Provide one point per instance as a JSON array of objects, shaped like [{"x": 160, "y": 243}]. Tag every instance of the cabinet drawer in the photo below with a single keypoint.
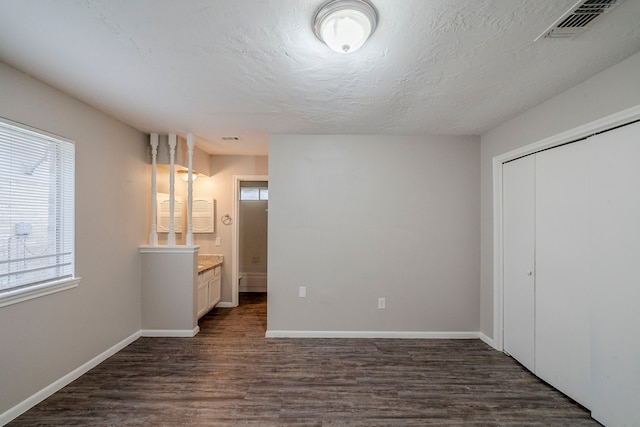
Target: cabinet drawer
[{"x": 208, "y": 275}]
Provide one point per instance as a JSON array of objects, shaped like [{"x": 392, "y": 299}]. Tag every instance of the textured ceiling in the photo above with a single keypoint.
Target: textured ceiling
[{"x": 251, "y": 68}]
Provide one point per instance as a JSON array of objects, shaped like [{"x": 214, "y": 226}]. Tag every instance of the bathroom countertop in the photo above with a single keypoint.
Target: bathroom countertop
[{"x": 207, "y": 262}]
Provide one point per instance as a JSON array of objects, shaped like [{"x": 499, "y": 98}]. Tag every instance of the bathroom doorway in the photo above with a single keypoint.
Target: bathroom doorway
[{"x": 249, "y": 253}]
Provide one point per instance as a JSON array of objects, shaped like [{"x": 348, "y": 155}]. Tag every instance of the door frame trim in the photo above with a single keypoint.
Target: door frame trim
[
  {"x": 235, "y": 233},
  {"x": 580, "y": 132}
]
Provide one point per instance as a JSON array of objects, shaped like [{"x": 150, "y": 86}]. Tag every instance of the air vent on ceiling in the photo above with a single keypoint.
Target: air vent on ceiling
[
  {"x": 578, "y": 18},
  {"x": 230, "y": 138}
]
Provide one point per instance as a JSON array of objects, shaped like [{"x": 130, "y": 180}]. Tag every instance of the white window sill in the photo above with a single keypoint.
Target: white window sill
[{"x": 36, "y": 291}]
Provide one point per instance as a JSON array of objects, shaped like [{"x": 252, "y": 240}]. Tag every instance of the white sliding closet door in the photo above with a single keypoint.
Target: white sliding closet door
[
  {"x": 573, "y": 212},
  {"x": 519, "y": 291},
  {"x": 615, "y": 266},
  {"x": 562, "y": 318}
]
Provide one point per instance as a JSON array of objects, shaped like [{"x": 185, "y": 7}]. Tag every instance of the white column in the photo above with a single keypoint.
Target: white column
[
  {"x": 153, "y": 235},
  {"x": 190, "y": 144},
  {"x": 171, "y": 240}
]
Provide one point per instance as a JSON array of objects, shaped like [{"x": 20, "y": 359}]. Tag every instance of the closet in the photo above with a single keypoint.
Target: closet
[{"x": 571, "y": 240}]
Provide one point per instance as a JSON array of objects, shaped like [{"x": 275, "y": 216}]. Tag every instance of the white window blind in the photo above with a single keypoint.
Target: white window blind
[{"x": 36, "y": 208}]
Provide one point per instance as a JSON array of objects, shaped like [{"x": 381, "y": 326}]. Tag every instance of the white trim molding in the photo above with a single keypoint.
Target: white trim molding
[
  {"x": 235, "y": 234},
  {"x": 168, "y": 249},
  {"x": 57, "y": 385},
  {"x": 24, "y": 294},
  {"x": 609, "y": 122},
  {"x": 225, "y": 304},
  {"x": 174, "y": 333},
  {"x": 371, "y": 334},
  {"x": 486, "y": 339}
]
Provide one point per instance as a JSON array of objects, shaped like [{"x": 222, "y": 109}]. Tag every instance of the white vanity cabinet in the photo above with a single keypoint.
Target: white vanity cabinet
[{"x": 208, "y": 289}]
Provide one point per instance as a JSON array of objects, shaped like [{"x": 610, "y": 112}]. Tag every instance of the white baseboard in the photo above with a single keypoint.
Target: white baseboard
[
  {"x": 38, "y": 397},
  {"x": 225, "y": 304},
  {"x": 371, "y": 334},
  {"x": 487, "y": 340},
  {"x": 253, "y": 288},
  {"x": 176, "y": 333}
]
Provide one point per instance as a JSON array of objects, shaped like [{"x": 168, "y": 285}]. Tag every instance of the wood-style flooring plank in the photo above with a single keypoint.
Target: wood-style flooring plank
[{"x": 231, "y": 375}]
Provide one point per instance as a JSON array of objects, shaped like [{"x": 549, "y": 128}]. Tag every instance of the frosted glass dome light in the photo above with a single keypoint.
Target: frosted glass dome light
[
  {"x": 345, "y": 25},
  {"x": 184, "y": 174}
]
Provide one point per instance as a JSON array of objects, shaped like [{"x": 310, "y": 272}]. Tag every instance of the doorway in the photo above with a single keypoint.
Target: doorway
[{"x": 249, "y": 240}]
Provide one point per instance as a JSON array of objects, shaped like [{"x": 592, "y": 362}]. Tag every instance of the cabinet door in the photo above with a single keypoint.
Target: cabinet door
[
  {"x": 518, "y": 260},
  {"x": 615, "y": 256},
  {"x": 214, "y": 288},
  {"x": 203, "y": 295},
  {"x": 562, "y": 325}
]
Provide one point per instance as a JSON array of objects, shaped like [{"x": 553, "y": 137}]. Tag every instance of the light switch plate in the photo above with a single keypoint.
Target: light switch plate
[{"x": 302, "y": 292}]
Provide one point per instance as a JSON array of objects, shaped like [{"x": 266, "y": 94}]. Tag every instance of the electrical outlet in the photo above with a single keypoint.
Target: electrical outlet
[
  {"x": 382, "y": 303},
  {"x": 302, "y": 292},
  {"x": 217, "y": 241}
]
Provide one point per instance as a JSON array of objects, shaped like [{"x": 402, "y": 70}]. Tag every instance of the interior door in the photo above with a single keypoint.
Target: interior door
[
  {"x": 518, "y": 211},
  {"x": 614, "y": 260},
  {"x": 562, "y": 337}
]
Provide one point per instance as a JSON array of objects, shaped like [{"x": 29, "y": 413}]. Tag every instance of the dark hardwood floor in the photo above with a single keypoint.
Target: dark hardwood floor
[{"x": 230, "y": 375}]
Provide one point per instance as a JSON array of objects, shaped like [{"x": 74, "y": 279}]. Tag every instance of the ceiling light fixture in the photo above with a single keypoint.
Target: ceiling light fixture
[
  {"x": 345, "y": 25},
  {"x": 184, "y": 174}
]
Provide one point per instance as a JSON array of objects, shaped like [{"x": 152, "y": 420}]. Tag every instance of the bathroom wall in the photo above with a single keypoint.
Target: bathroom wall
[
  {"x": 220, "y": 185},
  {"x": 253, "y": 232},
  {"x": 44, "y": 339}
]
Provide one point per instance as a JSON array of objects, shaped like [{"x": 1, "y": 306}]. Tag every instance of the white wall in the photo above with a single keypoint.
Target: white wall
[
  {"x": 608, "y": 92},
  {"x": 355, "y": 218},
  {"x": 43, "y": 339}
]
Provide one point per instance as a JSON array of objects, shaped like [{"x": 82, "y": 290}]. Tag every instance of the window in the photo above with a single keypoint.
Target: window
[
  {"x": 251, "y": 193},
  {"x": 36, "y": 213}
]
